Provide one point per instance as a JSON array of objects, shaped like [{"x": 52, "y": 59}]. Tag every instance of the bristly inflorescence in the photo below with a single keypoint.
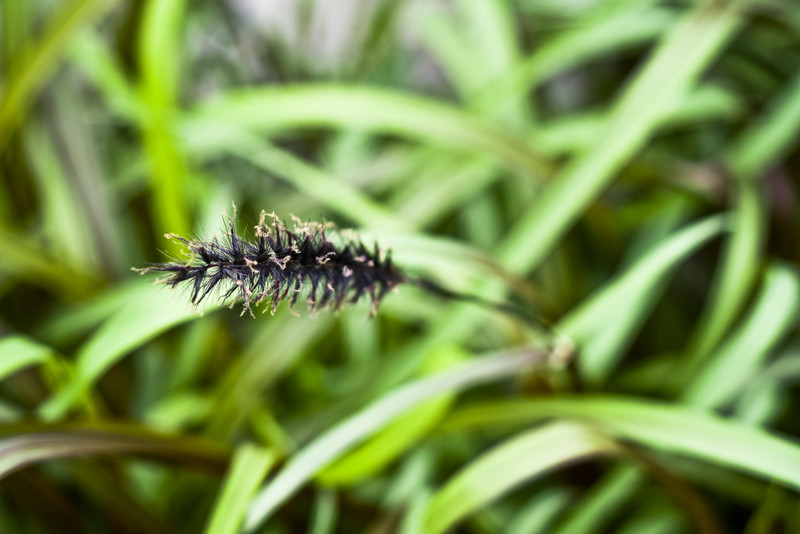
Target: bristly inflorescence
[{"x": 279, "y": 264}]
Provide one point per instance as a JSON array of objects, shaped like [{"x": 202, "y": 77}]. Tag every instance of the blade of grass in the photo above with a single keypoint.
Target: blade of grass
[
  {"x": 74, "y": 321},
  {"x": 671, "y": 428},
  {"x": 443, "y": 186},
  {"x": 421, "y": 253},
  {"x": 770, "y": 139},
  {"x": 275, "y": 348},
  {"x": 144, "y": 316},
  {"x": 628, "y": 299},
  {"x": 274, "y": 109},
  {"x": 250, "y": 466},
  {"x": 749, "y": 158},
  {"x": 345, "y": 435},
  {"x": 36, "y": 69},
  {"x": 609, "y": 494},
  {"x": 401, "y": 435},
  {"x": 64, "y": 223},
  {"x": 508, "y": 465},
  {"x": 539, "y": 513},
  {"x": 578, "y": 132},
  {"x": 25, "y": 447},
  {"x": 664, "y": 80},
  {"x": 25, "y": 259},
  {"x": 474, "y": 45},
  {"x": 159, "y": 56},
  {"x": 18, "y": 352},
  {"x": 94, "y": 59},
  {"x": 16, "y": 35},
  {"x": 735, "y": 274},
  {"x": 313, "y": 182},
  {"x": 85, "y": 172},
  {"x": 200, "y": 139},
  {"x": 763, "y": 399},
  {"x": 738, "y": 360},
  {"x": 654, "y": 519},
  {"x": 413, "y": 521},
  {"x": 323, "y": 518},
  {"x": 609, "y": 32}
]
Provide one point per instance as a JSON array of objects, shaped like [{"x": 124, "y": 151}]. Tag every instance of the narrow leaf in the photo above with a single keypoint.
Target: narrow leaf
[
  {"x": 664, "y": 81},
  {"x": 277, "y": 109},
  {"x": 505, "y": 467},
  {"x": 739, "y": 359},
  {"x": 146, "y": 315},
  {"x": 675, "y": 429},
  {"x": 344, "y": 436},
  {"x": 23, "y": 448},
  {"x": 250, "y": 466},
  {"x": 603, "y": 323},
  {"x": 18, "y": 352}
]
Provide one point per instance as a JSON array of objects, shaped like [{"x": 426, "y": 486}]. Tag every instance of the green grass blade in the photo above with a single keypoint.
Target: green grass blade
[
  {"x": 414, "y": 519},
  {"x": 22, "y": 448},
  {"x": 39, "y": 65},
  {"x": 541, "y": 511},
  {"x": 401, "y": 435},
  {"x": 73, "y": 321},
  {"x": 18, "y": 352},
  {"x": 763, "y": 143},
  {"x": 770, "y": 139},
  {"x": 675, "y": 429},
  {"x": 628, "y": 299},
  {"x": 347, "y": 434},
  {"x": 159, "y": 49},
  {"x": 738, "y": 360},
  {"x": 334, "y": 194},
  {"x": 665, "y": 80},
  {"x": 764, "y": 399},
  {"x": 159, "y": 60},
  {"x": 607, "y": 496},
  {"x": 511, "y": 463},
  {"x": 91, "y": 56},
  {"x": 244, "y": 383},
  {"x": 610, "y": 32},
  {"x": 144, "y": 316},
  {"x": 736, "y": 273},
  {"x": 474, "y": 47},
  {"x": 277, "y": 109},
  {"x": 64, "y": 221},
  {"x": 323, "y": 518},
  {"x": 250, "y": 466},
  {"x": 578, "y": 132},
  {"x": 24, "y": 258}
]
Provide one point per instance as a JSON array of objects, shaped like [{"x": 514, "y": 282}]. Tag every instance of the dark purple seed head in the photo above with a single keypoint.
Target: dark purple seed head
[{"x": 279, "y": 264}]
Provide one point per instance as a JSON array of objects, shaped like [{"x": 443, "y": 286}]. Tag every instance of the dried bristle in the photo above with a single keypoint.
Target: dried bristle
[{"x": 279, "y": 264}]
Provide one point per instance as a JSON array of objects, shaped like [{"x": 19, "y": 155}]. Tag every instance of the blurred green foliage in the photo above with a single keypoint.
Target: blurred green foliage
[{"x": 627, "y": 170}]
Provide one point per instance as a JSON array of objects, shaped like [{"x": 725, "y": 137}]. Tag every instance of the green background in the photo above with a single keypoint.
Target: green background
[{"x": 624, "y": 170}]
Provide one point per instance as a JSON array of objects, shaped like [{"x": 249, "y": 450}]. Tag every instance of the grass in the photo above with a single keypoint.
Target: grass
[{"x": 624, "y": 172}]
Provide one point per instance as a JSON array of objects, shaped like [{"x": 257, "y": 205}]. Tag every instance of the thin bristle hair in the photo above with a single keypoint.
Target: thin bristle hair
[{"x": 279, "y": 264}]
